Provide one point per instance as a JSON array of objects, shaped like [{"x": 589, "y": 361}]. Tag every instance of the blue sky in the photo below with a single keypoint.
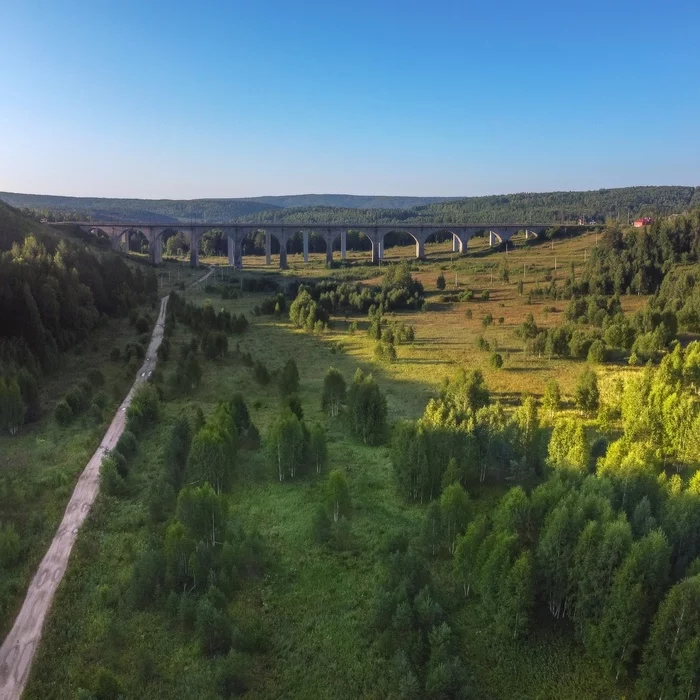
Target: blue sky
[{"x": 228, "y": 99}]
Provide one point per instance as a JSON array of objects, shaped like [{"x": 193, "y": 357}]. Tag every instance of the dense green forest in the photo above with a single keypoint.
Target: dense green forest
[
  {"x": 53, "y": 293},
  {"x": 546, "y": 207},
  {"x": 150, "y": 210}
]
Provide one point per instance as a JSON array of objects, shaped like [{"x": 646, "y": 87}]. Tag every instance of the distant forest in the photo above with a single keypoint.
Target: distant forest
[{"x": 623, "y": 204}]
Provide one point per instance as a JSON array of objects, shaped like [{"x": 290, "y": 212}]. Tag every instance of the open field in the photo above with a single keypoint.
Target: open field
[
  {"x": 445, "y": 337},
  {"x": 314, "y": 604}
]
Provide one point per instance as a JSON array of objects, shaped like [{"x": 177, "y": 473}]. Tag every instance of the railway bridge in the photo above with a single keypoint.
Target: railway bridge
[{"x": 119, "y": 231}]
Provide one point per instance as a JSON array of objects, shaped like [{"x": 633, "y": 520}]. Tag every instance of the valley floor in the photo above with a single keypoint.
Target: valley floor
[{"x": 314, "y": 605}]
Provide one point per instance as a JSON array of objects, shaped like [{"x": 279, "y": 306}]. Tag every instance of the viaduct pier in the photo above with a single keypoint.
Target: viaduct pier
[{"x": 119, "y": 231}]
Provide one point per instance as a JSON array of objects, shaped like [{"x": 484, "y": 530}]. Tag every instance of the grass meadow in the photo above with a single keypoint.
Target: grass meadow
[{"x": 313, "y": 603}]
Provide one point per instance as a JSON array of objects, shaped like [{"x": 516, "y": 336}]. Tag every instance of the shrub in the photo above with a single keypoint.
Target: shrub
[
  {"x": 213, "y": 628},
  {"x": 496, "y": 361},
  {"x": 96, "y": 413},
  {"x": 468, "y": 313},
  {"x": 482, "y": 344},
  {"x": 127, "y": 444},
  {"x": 101, "y": 399},
  {"x": 289, "y": 378},
  {"x": 76, "y": 399},
  {"x": 143, "y": 408},
  {"x": 596, "y": 353},
  {"x": 232, "y": 679},
  {"x": 586, "y": 395},
  {"x": 440, "y": 281},
  {"x": 163, "y": 351},
  {"x": 262, "y": 376},
  {"x": 293, "y": 403},
  {"x": 485, "y": 295},
  {"x": 142, "y": 325},
  {"x": 112, "y": 482},
  {"x": 63, "y": 412}
]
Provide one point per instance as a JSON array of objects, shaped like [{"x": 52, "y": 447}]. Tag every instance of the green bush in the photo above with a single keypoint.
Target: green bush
[
  {"x": 127, "y": 444},
  {"x": 96, "y": 378},
  {"x": 214, "y": 630},
  {"x": 142, "y": 325},
  {"x": 101, "y": 399},
  {"x": 63, "y": 412},
  {"x": 110, "y": 479},
  {"x": 596, "y": 353},
  {"x": 76, "y": 399},
  {"x": 496, "y": 361},
  {"x": 262, "y": 376},
  {"x": 96, "y": 414}
]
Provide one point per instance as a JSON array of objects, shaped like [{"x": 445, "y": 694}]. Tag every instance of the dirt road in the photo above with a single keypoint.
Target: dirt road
[{"x": 17, "y": 651}]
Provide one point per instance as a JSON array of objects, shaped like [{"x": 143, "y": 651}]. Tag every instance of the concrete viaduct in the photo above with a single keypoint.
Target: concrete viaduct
[{"x": 117, "y": 231}]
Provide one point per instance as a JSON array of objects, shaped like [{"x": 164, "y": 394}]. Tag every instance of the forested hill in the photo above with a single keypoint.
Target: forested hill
[
  {"x": 151, "y": 210},
  {"x": 349, "y": 201},
  {"x": 545, "y": 207},
  {"x": 16, "y": 225},
  {"x": 527, "y": 208}
]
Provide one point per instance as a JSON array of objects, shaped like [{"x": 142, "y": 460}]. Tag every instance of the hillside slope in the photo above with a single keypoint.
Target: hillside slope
[
  {"x": 151, "y": 210},
  {"x": 15, "y": 225},
  {"x": 348, "y": 201},
  {"x": 527, "y": 207}
]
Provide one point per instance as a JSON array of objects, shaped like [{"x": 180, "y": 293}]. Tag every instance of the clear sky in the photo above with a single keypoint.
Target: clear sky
[{"x": 184, "y": 99}]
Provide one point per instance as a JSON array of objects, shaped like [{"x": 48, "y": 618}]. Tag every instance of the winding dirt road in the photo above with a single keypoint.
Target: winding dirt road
[{"x": 17, "y": 651}]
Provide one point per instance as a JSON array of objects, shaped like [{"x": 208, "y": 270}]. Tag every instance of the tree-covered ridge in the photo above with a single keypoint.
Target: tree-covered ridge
[
  {"x": 526, "y": 207},
  {"x": 548, "y": 207},
  {"x": 142, "y": 210},
  {"x": 636, "y": 261},
  {"x": 348, "y": 201},
  {"x": 50, "y": 300}
]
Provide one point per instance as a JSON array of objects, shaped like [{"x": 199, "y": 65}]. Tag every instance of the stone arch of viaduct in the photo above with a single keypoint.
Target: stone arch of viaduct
[{"x": 235, "y": 233}]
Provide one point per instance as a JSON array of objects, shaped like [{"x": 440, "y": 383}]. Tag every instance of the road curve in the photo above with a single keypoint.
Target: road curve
[{"x": 17, "y": 651}]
